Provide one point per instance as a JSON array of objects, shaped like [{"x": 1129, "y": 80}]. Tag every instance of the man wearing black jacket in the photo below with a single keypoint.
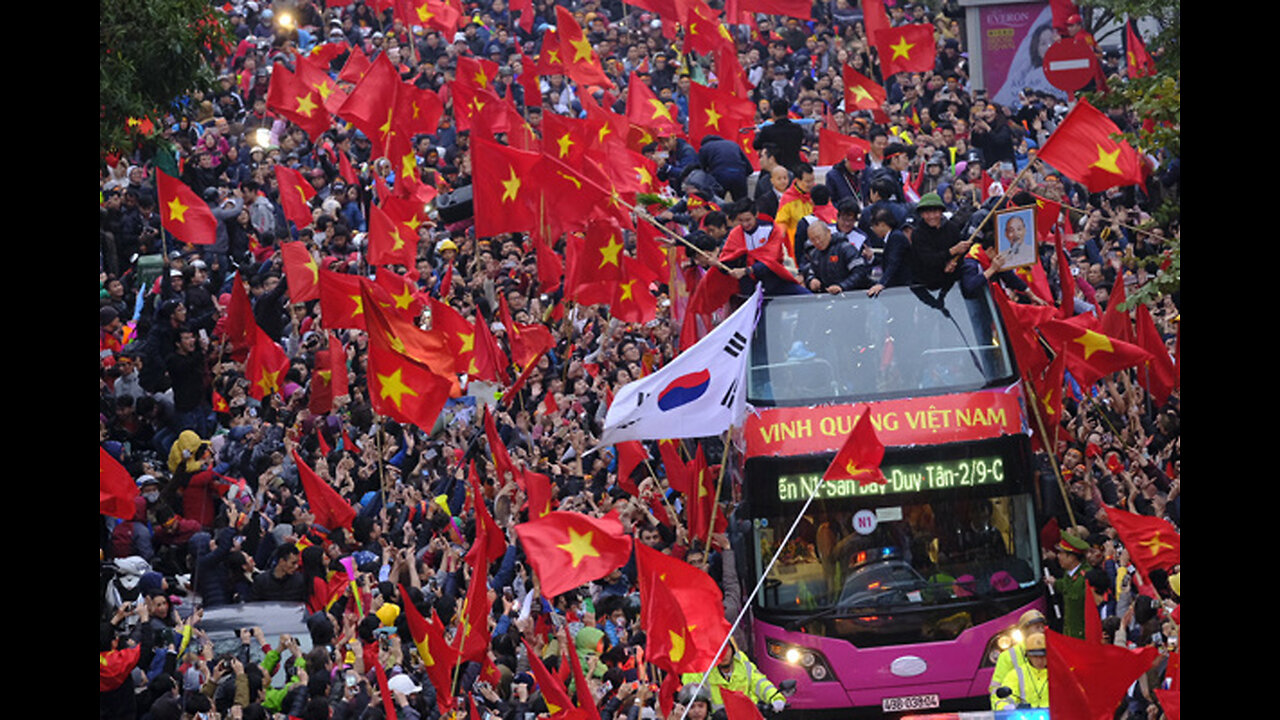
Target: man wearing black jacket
[
  {"x": 785, "y": 135},
  {"x": 937, "y": 245}
]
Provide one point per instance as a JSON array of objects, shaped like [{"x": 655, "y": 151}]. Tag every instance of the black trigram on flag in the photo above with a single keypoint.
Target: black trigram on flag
[
  {"x": 729, "y": 395},
  {"x": 736, "y": 344}
]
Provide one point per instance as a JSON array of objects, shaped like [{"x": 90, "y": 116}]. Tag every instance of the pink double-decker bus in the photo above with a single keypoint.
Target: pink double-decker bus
[{"x": 890, "y": 598}]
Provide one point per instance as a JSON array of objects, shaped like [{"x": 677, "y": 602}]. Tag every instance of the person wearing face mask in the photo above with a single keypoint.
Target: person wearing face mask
[{"x": 135, "y": 536}]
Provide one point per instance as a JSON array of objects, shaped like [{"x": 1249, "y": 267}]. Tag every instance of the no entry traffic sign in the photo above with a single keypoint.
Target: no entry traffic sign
[{"x": 1069, "y": 65}]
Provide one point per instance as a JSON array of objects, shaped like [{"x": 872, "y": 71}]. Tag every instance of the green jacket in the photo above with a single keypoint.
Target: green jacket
[
  {"x": 1030, "y": 684},
  {"x": 1074, "y": 589},
  {"x": 744, "y": 677},
  {"x": 273, "y": 698},
  {"x": 1015, "y": 656}
]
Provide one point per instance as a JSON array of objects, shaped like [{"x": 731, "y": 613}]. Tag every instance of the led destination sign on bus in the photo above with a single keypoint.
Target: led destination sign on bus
[{"x": 944, "y": 475}]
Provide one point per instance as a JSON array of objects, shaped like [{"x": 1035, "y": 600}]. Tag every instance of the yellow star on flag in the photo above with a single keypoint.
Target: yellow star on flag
[
  {"x": 693, "y": 28},
  {"x": 860, "y": 93},
  {"x": 852, "y": 468},
  {"x": 902, "y": 49},
  {"x": 579, "y": 546},
  {"x": 391, "y": 386},
  {"x": 510, "y": 187},
  {"x": 310, "y": 264},
  {"x": 424, "y": 12},
  {"x": 1093, "y": 342},
  {"x": 386, "y": 126},
  {"x": 359, "y": 304},
  {"x": 305, "y": 105},
  {"x": 554, "y": 56},
  {"x": 177, "y": 210},
  {"x": 1155, "y": 544},
  {"x": 713, "y": 117},
  {"x": 468, "y": 342},
  {"x": 325, "y": 375},
  {"x": 480, "y": 78},
  {"x": 403, "y": 301},
  {"x": 1107, "y": 161},
  {"x": 627, "y": 288},
  {"x": 642, "y": 172},
  {"x": 399, "y": 241},
  {"x": 604, "y": 130},
  {"x": 1047, "y": 401},
  {"x": 269, "y": 381},
  {"x": 581, "y": 48},
  {"x": 677, "y": 646},
  {"x": 396, "y": 343},
  {"x": 565, "y": 142},
  {"x": 324, "y": 90},
  {"x": 609, "y": 253},
  {"x": 659, "y": 109},
  {"x": 408, "y": 165},
  {"x": 424, "y": 652}
]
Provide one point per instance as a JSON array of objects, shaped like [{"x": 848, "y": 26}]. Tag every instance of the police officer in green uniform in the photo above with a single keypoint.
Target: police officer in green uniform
[{"x": 1072, "y": 586}]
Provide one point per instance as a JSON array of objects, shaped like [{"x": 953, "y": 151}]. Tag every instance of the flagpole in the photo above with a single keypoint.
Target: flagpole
[
  {"x": 675, "y": 517},
  {"x": 382, "y": 475},
  {"x": 746, "y": 605},
  {"x": 1003, "y": 199},
  {"x": 1078, "y": 211},
  {"x": 1051, "y": 450},
  {"x": 715, "y": 501}
]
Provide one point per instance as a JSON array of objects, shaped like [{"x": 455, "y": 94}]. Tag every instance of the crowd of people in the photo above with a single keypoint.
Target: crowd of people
[{"x": 221, "y": 517}]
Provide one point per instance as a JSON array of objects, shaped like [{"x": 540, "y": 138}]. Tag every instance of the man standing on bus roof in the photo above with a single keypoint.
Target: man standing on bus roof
[
  {"x": 736, "y": 672},
  {"x": 1072, "y": 587},
  {"x": 1031, "y": 622},
  {"x": 937, "y": 245}
]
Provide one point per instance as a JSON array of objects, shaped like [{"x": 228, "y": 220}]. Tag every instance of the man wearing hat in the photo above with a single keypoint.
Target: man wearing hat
[
  {"x": 1031, "y": 623},
  {"x": 1030, "y": 681},
  {"x": 402, "y": 687},
  {"x": 937, "y": 244},
  {"x": 1072, "y": 587}
]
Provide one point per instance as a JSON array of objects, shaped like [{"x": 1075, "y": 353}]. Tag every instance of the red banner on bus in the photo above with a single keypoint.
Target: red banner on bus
[{"x": 912, "y": 421}]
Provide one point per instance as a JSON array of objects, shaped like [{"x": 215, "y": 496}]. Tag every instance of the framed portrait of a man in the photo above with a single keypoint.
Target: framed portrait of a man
[{"x": 1016, "y": 236}]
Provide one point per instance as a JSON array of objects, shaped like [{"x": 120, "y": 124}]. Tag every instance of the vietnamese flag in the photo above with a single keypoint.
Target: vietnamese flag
[
  {"x": 289, "y": 96},
  {"x": 906, "y": 48},
  {"x": 874, "y": 17},
  {"x": 1153, "y": 543},
  {"x": 239, "y": 316},
  {"x": 632, "y": 301},
  {"x": 489, "y": 545},
  {"x": 114, "y": 666},
  {"x": 1047, "y": 214},
  {"x": 1159, "y": 377},
  {"x": 416, "y": 110},
  {"x": 630, "y": 454},
  {"x": 372, "y": 103},
  {"x": 550, "y": 266},
  {"x": 1049, "y": 392},
  {"x": 859, "y": 458},
  {"x": 564, "y": 138},
  {"x": 341, "y": 306},
  {"x": 861, "y": 92},
  {"x": 389, "y": 243},
  {"x": 670, "y": 642},
  {"x": 433, "y": 650},
  {"x": 1138, "y": 61},
  {"x": 586, "y": 701},
  {"x": 488, "y": 361},
  {"x": 440, "y": 16},
  {"x": 644, "y": 108},
  {"x": 581, "y": 63},
  {"x": 502, "y": 462},
  {"x": 296, "y": 194},
  {"x": 1091, "y": 355},
  {"x": 1115, "y": 322},
  {"x": 553, "y": 692},
  {"x": 330, "y": 509},
  {"x": 1081, "y": 147},
  {"x": 330, "y": 368},
  {"x": 697, "y": 595},
  {"x": 116, "y": 488},
  {"x": 678, "y": 472},
  {"x": 401, "y": 383},
  {"x": 183, "y": 213},
  {"x": 220, "y": 404},
  {"x": 1066, "y": 282},
  {"x": 834, "y": 147},
  {"x": 716, "y": 111},
  {"x": 1087, "y": 680},
  {"x": 538, "y": 488},
  {"x": 502, "y": 194},
  {"x": 459, "y": 335},
  {"x": 301, "y": 270},
  {"x": 471, "y": 640},
  {"x": 355, "y": 68},
  {"x": 705, "y": 30},
  {"x": 266, "y": 365},
  {"x": 408, "y": 300},
  {"x": 568, "y": 549},
  {"x": 549, "y": 58},
  {"x": 313, "y": 72}
]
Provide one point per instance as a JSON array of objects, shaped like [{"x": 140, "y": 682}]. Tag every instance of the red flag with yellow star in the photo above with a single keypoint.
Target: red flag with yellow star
[
  {"x": 501, "y": 459},
  {"x": 1088, "y": 680},
  {"x": 538, "y": 488},
  {"x": 716, "y": 111},
  {"x": 433, "y": 649},
  {"x": 400, "y": 387},
  {"x": 564, "y": 138},
  {"x": 372, "y": 103},
  {"x": 704, "y": 30},
  {"x": 114, "y": 666},
  {"x": 183, "y": 213},
  {"x": 460, "y": 335},
  {"x": 266, "y": 365},
  {"x": 313, "y": 71},
  {"x": 859, "y": 458},
  {"x": 1049, "y": 390},
  {"x": 644, "y": 108},
  {"x": 1091, "y": 355},
  {"x": 581, "y": 63},
  {"x": 1081, "y": 147},
  {"x": 408, "y": 300},
  {"x": 329, "y": 378},
  {"x": 553, "y": 692},
  {"x": 906, "y": 48},
  {"x": 834, "y": 147},
  {"x": 1160, "y": 376},
  {"x": 301, "y": 270},
  {"x": 632, "y": 301},
  {"x": 297, "y": 103},
  {"x": 698, "y": 596},
  {"x": 389, "y": 242},
  {"x": 669, "y": 642},
  {"x": 116, "y": 488},
  {"x": 356, "y": 66},
  {"x": 471, "y": 641},
  {"x": 1153, "y": 543},
  {"x": 238, "y": 320},
  {"x": 341, "y": 306},
  {"x": 502, "y": 194},
  {"x": 296, "y": 194},
  {"x": 568, "y": 549},
  {"x": 429, "y": 348},
  {"x": 488, "y": 362},
  {"x": 861, "y": 92},
  {"x": 440, "y": 16},
  {"x": 1138, "y": 61},
  {"x": 330, "y": 509},
  {"x": 489, "y": 545}
]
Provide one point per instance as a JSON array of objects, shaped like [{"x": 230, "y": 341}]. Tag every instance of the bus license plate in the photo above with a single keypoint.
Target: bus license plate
[{"x": 910, "y": 702}]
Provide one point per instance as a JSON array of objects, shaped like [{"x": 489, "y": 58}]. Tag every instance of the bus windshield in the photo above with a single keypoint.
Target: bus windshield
[
  {"x": 903, "y": 342},
  {"x": 912, "y": 551}
]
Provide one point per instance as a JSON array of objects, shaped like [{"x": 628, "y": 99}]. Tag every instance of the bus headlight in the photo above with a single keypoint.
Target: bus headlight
[
  {"x": 1000, "y": 642},
  {"x": 813, "y": 662}
]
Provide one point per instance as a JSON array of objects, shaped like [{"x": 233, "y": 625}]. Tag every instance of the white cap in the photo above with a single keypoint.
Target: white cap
[{"x": 401, "y": 683}]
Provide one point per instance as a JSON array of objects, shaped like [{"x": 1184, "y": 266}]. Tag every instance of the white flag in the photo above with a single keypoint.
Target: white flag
[{"x": 698, "y": 394}]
